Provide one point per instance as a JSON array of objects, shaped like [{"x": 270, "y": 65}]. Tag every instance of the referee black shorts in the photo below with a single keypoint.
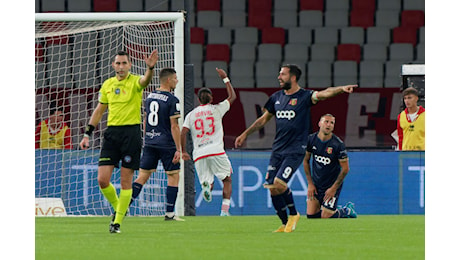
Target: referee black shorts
[{"x": 122, "y": 143}]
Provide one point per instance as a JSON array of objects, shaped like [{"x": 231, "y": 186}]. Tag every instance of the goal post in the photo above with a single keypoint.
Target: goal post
[{"x": 73, "y": 54}]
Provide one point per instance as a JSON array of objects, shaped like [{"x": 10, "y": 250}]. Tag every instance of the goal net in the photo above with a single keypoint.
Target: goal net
[{"x": 73, "y": 55}]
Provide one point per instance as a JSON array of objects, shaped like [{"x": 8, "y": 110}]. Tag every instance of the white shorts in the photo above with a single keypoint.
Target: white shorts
[{"x": 208, "y": 167}]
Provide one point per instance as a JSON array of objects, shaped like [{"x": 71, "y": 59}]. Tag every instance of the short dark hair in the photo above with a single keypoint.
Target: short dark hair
[
  {"x": 294, "y": 70},
  {"x": 166, "y": 72},
  {"x": 122, "y": 53},
  {"x": 204, "y": 95},
  {"x": 54, "y": 107},
  {"x": 410, "y": 90}
]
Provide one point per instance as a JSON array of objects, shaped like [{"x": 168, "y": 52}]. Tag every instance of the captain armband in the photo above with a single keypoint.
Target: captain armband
[{"x": 89, "y": 130}]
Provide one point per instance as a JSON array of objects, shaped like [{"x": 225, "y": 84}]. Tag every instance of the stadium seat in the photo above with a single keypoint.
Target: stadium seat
[
  {"x": 234, "y": 5},
  {"x": 420, "y": 53},
  {"x": 375, "y": 52},
  {"x": 349, "y": 52},
  {"x": 270, "y": 52},
  {"x": 267, "y": 74},
  {"x": 394, "y": 5},
  {"x": 322, "y": 52},
  {"x": 286, "y": 5},
  {"x": 378, "y": 35},
  {"x": 255, "y": 6},
  {"x": 413, "y": 5},
  {"x": 246, "y": 35},
  {"x": 273, "y": 35},
  {"x": 197, "y": 35},
  {"x": 343, "y": 5},
  {"x": 285, "y": 18},
  {"x": 352, "y": 35},
  {"x": 196, "y": 52},
  {"x": 207, "y": 5},
  {"x": 405, "y": 35},
  {"x": 244, "y": 52},
  {"x": 177, "y": 5},
  {"x": 218, "y": 52},
  {"x": 79, "y": 6},
  {"x": 371, "y": 74},
  {"x": 297, "y": 52},
  {"x": 39, "y": 52},
  {"x": 219, "y": 35},
  {"x": 208, "y": 19},
  {"x": 40, "y": 74},
  {"x": 105, "y": 6},
  {"x": 210, "y": 76},
  {"x": 362, "y": 18},
  {"x": 241, "y": 74},
  {"x": 41, "y": 107},
  {"x": 53, "y": 6},
  {"x": 260, "y": 20},
  {"x": 311, "y": 5},
  {"x": 421, "y": 34},
  {"x": 328, "y": 35},
  {"x": 300, "y": 35},
  {"x": 310, "y": 18},
  {"x": 392, "y": 74},
  {"x": 319, "y": 74},
  {"x": 336, "y": 18},
  {"x": 387, "y": 18},
  {"x": 363, "y": 5},
  {"x": 413, "y": 18},
  {"x": 401, "y": 51},
  {"x": 131, "y": 5},
  {"x": 345, "y": 72},
  {"x": 233, "y": 19}
]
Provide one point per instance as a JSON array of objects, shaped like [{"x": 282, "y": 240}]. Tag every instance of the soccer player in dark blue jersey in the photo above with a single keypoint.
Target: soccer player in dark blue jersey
[
  {"x": 161, "y": 139},
  {"x": 291, "y": 108},
  {"x": 326, "y": 173}
]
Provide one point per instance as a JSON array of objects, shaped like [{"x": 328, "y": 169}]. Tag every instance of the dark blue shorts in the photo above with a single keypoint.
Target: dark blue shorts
[
  {"x": 283, "y": 167},
  {"x": 332, "y": 203},
  {"x": 152, "y": 155}
]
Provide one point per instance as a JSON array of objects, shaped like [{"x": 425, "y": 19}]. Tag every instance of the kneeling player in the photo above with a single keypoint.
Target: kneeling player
[{"x": 327, "y": 172}]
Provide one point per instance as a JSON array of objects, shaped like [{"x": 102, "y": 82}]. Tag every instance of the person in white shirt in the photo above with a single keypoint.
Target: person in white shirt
[{"x": 204, "y": 123}]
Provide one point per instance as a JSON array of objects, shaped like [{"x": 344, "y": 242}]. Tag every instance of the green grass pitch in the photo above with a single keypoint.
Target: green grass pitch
[{"x": 236, "y": 237}]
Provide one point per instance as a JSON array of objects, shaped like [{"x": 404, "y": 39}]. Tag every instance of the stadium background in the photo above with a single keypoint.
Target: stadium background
[{"x": 394, "y": 29}]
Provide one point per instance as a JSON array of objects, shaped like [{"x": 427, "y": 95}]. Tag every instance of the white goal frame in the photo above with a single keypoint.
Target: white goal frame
[{"x": 178, "y": 19}]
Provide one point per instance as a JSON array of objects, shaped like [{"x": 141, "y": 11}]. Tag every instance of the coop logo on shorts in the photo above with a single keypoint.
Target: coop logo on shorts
[
  {"x": 288, "y": 114},
  {"x": 322, "y": 159},
  {"x": 127, "y": 159}
]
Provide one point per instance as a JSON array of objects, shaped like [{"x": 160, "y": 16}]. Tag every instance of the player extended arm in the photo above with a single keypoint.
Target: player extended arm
[
  {"x": 183, "y": 142},
  {"x": 331, "y": 92},
  {"x": 258, "y": 124},
  {"x": 150, "y": 61},
  {"x": 311, "y": 191},
  {"x": 230, "y": 91},
  {"x": 96, "y": 117},
  {"x": 343, "y": 172},
  {"x": 175, "y": 132}
]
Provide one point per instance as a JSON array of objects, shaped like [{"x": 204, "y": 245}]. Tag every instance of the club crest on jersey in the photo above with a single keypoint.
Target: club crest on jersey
[
  {"x": 329, "y": 150},
  {"x": 293, "y": 102}
]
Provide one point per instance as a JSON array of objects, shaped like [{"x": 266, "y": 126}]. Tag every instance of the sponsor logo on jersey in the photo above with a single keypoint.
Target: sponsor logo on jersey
[
  {"x": 321, "y": 159},
  {"x": 152, "y": 134},
  {"x": 127, "y": 159},
  {"x": 287, "y": 114}
]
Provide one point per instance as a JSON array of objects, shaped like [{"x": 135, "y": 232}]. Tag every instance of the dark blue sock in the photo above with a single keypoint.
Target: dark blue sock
[
  {"x": 171, "y": 195},
  {"x": 289, "y": 199},
  {"x": 340, "y": 213},
  {"x": 280, "y": 207},
  {"x": 316, "y": 215},
  {"x": 137, "y": 188}
]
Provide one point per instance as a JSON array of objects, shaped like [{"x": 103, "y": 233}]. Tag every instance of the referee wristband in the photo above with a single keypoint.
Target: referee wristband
[
  {"x": 226, "y": 80},
  {"x": 89, "y": 130}
]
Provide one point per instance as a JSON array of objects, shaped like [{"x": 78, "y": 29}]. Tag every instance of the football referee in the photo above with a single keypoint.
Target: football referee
[{"x": 122, "y": 95}]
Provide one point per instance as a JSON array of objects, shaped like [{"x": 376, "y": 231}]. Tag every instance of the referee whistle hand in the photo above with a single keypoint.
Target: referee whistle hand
[{"x": 84, "y": 144}]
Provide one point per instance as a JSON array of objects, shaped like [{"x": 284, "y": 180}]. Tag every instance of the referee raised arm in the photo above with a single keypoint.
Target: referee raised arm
[{"x": 122, "y": 95}]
